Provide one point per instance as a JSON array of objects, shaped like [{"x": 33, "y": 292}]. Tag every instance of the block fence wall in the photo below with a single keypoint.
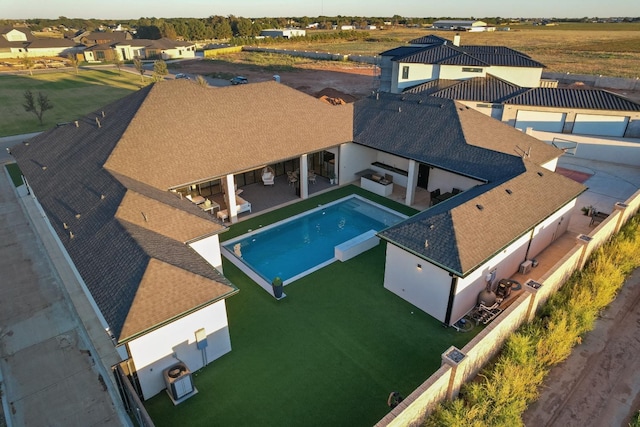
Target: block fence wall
[
  {"x": 595, "y": 81},
  {"x": 445, "y": 383},
  {"x": 328, "y": 56}
]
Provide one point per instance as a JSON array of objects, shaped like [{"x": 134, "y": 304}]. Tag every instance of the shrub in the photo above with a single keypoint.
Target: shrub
[{"x": 503, "y": 390}]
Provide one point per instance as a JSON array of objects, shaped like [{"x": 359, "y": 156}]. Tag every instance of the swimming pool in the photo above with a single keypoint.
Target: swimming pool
[{"x": 299, "y": 245}]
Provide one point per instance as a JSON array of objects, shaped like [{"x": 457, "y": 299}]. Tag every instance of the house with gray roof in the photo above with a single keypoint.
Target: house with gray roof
[
  {"x": 433, "y": 57},
  {"x": 117, "y": 187},
  {"x": 16, "y": 42}
]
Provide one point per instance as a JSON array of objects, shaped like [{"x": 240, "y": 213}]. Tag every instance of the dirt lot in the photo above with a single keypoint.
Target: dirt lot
[{"x": 353, "y": 79}]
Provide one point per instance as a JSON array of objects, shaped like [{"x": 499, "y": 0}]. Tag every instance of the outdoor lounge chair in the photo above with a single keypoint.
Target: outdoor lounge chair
[
  {"x": 312, "y": 177},
  {"x": 268, "y": 176}
]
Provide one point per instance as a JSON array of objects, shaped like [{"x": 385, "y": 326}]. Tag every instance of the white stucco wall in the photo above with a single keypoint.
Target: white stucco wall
[
  {"x": 355, "y": 158},
  {"x": 522, "y": 76},
  {"x": 455, "y": 72},
  {"x": 446, "y": 181},
  {"x": 209, "y": 249},
  {"x": 505, "y": 263},
  {"x": 553, "y": 227},
  {"x": 157, "y": 350},
  {"x": 418, "y": 73},
  {"x": 427, "y": 289}
]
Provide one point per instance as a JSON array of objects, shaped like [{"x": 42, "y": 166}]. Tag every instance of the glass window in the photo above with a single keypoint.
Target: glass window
[{"x": 405, "y": 72}]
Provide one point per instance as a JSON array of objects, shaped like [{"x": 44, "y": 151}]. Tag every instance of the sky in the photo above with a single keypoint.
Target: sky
[{"x": 128, "y": 9}]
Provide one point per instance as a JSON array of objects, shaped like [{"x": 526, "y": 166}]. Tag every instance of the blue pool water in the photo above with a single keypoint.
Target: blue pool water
[{"x": 300, "y": 244}]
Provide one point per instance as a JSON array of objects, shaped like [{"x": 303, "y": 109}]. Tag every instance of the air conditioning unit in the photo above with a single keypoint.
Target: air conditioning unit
[
  {"x": 525, "y": 267},
  {"x": 178, "y": 380}
]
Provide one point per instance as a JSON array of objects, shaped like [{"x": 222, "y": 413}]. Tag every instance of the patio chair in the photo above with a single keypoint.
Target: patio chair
[
  {"x": 456, "y": 191},
  {"x": 312, "y": 177},
  {"x": 291, "y": 178},
  {"x": 434, "y": 196},
  {"x": 268, "y": 176}
]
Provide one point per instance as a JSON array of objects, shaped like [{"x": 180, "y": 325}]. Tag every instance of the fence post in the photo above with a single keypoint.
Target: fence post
[
  {"x": 454, "y": 358},
  {"x": 584, "y": 240},
  {"x": 620, "y": 207},
  {"x": 532, "y": 287}
]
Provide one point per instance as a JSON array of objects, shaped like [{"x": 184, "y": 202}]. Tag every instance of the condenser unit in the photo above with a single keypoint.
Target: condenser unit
[
  {"x": 525, "y": 267},
  {"x": 178, "y": 380}
]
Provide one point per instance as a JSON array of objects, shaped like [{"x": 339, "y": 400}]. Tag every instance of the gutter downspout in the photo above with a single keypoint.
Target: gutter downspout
[{"x": 452, "y": 296}]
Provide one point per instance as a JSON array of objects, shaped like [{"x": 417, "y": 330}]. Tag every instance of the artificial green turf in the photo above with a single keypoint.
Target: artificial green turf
[
  {"x": 327, "y": 354},
  {"x": 15, "y": 173},
  {"x": 71, "y": 95}
]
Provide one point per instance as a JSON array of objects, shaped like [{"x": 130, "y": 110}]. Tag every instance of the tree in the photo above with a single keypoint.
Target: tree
[
  {"x": 73, "y": 60},
  {"x": 137, "y": 62},
  {"x": 159, "y": 70},
  {"x": 118, "y": 62},
  {"x": 28, "y": 63},
  {"x": 37, "y": 107}
]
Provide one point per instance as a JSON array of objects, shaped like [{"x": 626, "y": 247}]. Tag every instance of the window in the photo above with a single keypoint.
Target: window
[
  {"x": 471, "y": 70},
  {"x": 405, "y": 72}
]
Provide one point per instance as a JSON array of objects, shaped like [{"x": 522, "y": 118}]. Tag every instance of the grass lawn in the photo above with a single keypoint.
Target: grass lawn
[
  {"x": 72, "y": 96},
  {"x": 327, "y": 354},
  {"x": 578, "y": 48}
]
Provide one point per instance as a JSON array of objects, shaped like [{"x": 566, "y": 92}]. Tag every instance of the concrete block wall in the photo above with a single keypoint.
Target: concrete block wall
[
  {"x": 447, "y": 380},
  {"x": 595, "y": 81}
]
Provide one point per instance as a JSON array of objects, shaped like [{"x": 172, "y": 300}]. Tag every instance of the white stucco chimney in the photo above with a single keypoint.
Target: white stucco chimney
[{"x": 456, "y": 40}]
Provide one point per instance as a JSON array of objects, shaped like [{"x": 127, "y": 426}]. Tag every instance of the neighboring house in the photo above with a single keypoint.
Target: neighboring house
[
  {"x": 151, "y": 260},
  {"x": 286, "y": 33},
  {"x": 128, "y": 49},
  {"x": 457, "y": 25},
  {"x": 564, "y": 110},
  {"x": 18, "y": 42},
  {"x": 498, "y": 90},
  {"x": 433, "y": 57}
]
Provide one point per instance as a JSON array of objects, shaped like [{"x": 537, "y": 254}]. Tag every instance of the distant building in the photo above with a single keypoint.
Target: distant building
[
  {"x": 286, "y": 33},
  {"x": 456, "y": 25}
]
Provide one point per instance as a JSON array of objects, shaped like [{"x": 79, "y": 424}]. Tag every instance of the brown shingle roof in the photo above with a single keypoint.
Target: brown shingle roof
[
  {"x": 184, "y": 133},
  {"x": 507, "y": 215},
  {"x": 160, "y": 218},
  {"x": 166, "y": 292}
]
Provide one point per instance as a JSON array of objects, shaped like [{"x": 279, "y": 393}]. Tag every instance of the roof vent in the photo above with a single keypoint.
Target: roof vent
[
  {"x": 65, "y": 226},
  {"x": 508, "y": 191},
  {"x": 44, "y": 168},
  {"x": 426, "y": 243},
  {"x": 102, "y": 197},
  {"x": 540, "y": 173},
  {"x": 145, "y": 217},
  {"x": 98, "y": 122},
  {"x": 480, "y": 207},
  {"x": 377, "y": 95},
  {"x": 399, "y": 109},
  {"x": 403, "y": 98},
  {"x": 419, "y": 101},
  {"x": 102, "y": 113},
  {"x": 71, "y": 235},
  {"x": 78, "y": 216},
  {"x": 77, "y": 124}
]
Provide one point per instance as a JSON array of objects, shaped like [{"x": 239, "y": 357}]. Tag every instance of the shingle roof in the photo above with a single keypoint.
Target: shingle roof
[
  {"x": 482, "y": 89},
  {"x": 445, "y": 134},
  {"x": 592, "y": 99},
  {"x": 431, "y": 87},
  {"x": 278, "y": 123},
  {"x": 437, "y": 50},
  {"x": 119, "y": 231},
  {"x": 465, "y": 231}
]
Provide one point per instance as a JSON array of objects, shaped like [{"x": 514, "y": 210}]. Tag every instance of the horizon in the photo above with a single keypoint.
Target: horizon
[{"x": 462, "y": 9}]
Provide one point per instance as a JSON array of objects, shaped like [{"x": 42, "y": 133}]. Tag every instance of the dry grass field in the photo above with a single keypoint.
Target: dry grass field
[{"x": 607, "y": 49}]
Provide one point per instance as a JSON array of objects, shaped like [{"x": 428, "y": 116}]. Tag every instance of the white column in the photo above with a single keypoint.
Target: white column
[
  {"x": 412, "y": 182},
  {"x": 232, "y": 206},
  {"x": 304, "y": 177}
]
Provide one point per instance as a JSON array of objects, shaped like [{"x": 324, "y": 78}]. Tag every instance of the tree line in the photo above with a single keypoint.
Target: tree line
[{"x": 226, "y": 27}]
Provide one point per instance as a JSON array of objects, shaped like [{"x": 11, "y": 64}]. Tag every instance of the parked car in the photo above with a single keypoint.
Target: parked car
[
  {"x": 182, "y": 76},
  {"x": 239, "y": 80}
]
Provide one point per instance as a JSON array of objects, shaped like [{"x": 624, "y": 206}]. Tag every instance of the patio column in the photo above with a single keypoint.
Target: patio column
[
  {"x": 412, "y": 181},
  {"x": 230, "y": 198},
  {"x": 304, "y": 177}
]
